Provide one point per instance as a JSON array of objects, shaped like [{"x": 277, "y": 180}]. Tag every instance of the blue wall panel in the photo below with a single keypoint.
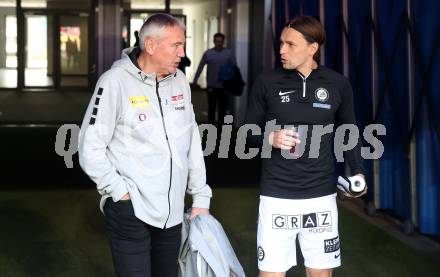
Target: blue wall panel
[
  {"x": 393, "y": 92},
  {"x": 333, "y": 45},
  {"x": 359, "y": 43},
  {"x": 427, "y": 76}
]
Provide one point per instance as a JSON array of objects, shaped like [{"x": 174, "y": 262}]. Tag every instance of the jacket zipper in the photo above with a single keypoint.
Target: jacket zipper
[
  {"x": 169, "y": 148},
  {"x": 304, "y": 84}
]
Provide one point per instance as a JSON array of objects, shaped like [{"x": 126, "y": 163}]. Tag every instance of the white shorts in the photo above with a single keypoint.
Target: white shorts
[{"x": 314, "y": 220}]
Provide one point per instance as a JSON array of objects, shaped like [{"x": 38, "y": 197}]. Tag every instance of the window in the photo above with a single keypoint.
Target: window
[{"x": 11, "y": 41}]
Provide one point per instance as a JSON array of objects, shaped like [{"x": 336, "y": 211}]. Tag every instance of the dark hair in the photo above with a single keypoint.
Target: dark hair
[
  {"x": 311, "y": 29},
  {"x": 219, "y": 35}
]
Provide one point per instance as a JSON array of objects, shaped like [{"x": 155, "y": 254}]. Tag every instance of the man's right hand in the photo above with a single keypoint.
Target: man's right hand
[
  {"x": 283, "y": 139},
  {"x": 125, "y": 197}
]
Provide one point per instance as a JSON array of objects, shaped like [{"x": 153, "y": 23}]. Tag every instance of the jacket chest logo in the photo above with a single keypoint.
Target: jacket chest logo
[
  {"x": 140, "y": 101},
  {"x": 178, "y": 102},
  {"x": 142, "y": 116},
  {"x": 284, "y": 96}
]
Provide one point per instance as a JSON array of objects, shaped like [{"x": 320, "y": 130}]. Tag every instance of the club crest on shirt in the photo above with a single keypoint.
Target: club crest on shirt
[
  {"x": 260, "y": 253},
  {"x": 321, "y": 94}
]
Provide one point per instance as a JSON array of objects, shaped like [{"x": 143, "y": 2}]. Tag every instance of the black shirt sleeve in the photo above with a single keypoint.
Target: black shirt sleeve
[
  {"x": 256, "y": 112},
  {"x": 345, "y": 115}
]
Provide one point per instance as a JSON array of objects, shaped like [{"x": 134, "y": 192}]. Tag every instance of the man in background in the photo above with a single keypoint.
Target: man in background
[{"x": 215, "y": 58}]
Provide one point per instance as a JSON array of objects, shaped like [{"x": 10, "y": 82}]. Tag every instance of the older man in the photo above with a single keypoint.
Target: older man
[{"x": 140, "y": 144}]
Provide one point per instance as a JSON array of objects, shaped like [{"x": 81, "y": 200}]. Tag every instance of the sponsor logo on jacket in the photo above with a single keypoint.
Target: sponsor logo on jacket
[
  {"x": 178, "y": 102},
  {"x": 140, "y": 101}
]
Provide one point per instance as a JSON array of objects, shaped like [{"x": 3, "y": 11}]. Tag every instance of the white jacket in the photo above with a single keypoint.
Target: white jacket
[
  {"x": 205, "y": 250},
  {"x": 140, "y": 136}
]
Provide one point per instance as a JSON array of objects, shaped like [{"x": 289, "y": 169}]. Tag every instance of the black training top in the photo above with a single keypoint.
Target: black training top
[{"x": 324, "y": 97}]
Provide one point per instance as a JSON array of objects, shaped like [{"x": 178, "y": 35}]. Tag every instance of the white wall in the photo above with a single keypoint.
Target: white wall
[
  {"x": 242, "y": 40},
  {"x": 196, "y": 14}
]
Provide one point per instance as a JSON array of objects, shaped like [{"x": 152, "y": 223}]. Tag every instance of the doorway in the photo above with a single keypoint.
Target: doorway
[
  {"x": 38, "y": 68},
  {"x": 74, "y": 50},
  {"x": 56, "y": 50}
]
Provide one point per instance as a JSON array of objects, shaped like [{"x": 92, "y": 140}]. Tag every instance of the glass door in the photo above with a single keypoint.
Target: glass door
[
  {"x": 38, "y": 50},
  {"x": 56, "y": 50},
  {"x": 8, "y": 57},
  {"x": 74, "y": 50}
]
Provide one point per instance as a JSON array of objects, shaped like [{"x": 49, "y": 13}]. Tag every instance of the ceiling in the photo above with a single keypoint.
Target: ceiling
[{"x": 77, "y": 3}]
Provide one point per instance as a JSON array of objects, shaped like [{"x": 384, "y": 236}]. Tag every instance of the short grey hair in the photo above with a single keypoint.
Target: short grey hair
[{"x": 154, "y": 26}]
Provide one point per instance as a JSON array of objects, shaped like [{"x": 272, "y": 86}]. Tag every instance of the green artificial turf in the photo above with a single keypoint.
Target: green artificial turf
[{"x": 61, "y": 233}]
